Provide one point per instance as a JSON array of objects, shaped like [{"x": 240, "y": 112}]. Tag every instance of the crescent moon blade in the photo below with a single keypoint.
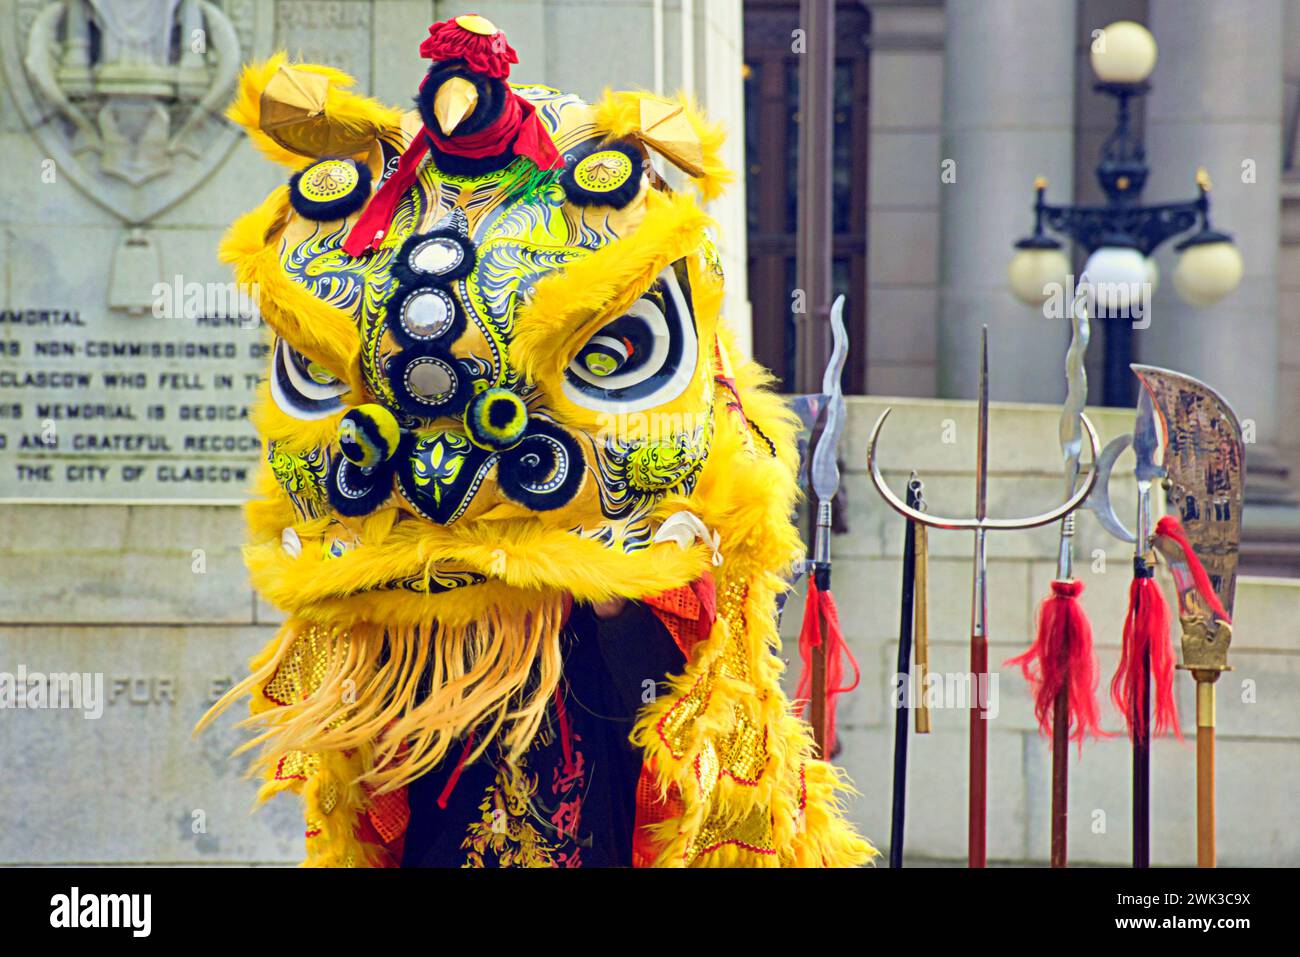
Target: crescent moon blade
[
  {"x": 893, "y": 501},
  {"x": 1099, "y": 501}
]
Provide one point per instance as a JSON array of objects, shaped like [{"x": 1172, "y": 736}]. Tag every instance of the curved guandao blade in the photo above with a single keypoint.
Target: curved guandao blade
[{"x": 1205, "y": 466}]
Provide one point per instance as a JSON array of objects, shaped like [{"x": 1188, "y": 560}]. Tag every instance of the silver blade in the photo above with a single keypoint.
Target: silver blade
[
  {"x": 1076, "y": 396},
  {"x": 825, "y": 471},
  {"x": 1099, "y": 501},
  {"x": 809, "y": 408},
  {"x": 1147, "y": 446},
  {"x": 1205, "y": 462}
]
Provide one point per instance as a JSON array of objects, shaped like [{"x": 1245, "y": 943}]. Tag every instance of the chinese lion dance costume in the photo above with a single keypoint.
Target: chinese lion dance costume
[{"x": 527, "y": 512}]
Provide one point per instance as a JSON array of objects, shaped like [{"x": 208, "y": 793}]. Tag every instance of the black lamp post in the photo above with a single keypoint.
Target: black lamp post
[{"x": 1121, "y": 235}]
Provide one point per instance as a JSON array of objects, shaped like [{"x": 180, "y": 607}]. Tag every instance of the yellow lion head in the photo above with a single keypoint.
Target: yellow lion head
[{"x": 499, "y": 385}]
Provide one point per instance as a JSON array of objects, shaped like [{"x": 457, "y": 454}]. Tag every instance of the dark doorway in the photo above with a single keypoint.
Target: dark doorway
[{"x": 771, "y": 158}]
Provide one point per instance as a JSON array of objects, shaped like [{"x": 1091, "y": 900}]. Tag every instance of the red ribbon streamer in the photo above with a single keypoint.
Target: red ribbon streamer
[{"x": 820, "y": 607}]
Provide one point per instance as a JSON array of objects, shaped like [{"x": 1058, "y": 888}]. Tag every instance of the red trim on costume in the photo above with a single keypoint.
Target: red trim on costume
[
  {"x": 566, "y": 733},
  {"x": 746, "y": 781},
  {"x": 390, "y": 813},
  {"x": 281, "y": 776},
  {"x": 452, "y": 778},
  {"x": 652, "y": 808},
  {"x": 749, "y": 847},
  {"x": 659, "y": 726},
  {"x": 687, "y": 612}
]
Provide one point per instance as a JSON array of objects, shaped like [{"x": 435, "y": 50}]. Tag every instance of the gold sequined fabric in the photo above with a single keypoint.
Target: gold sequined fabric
[{"x": 303, "y": 668}]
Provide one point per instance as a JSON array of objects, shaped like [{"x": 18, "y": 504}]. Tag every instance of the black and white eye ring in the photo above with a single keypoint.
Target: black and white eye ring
[
  {"x": 642, "y": 359},
  {"x": 302, "y": 388}
]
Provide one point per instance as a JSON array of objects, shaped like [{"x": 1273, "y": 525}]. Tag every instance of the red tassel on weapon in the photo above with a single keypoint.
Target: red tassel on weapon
[
  {"x": 1146, "y": 628},
  {"x": 1171, "y": 532},
  {"x": 1062, "y": 654},
  {"x": 820, "y": 615}
]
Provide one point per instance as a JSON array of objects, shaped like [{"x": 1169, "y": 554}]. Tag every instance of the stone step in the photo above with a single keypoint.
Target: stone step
[{"x": 1270, "y": 535}]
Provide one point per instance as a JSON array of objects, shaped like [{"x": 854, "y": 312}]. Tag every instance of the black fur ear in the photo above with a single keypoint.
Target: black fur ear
[
  {"x": 330, "y": 189},
  {"x": 545, "y": 470},
  {"x": 603, "y": 173}
]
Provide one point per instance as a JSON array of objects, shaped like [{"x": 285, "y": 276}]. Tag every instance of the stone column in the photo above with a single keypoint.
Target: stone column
[
  {"x": 719, "y": 85},
  {"x": 1217, "y": 102},
  {"x": 1008, "y": 117}
]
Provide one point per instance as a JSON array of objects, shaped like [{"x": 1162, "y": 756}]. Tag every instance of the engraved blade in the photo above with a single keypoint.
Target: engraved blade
[
  {"x": 1205, "y": 464},
  {"x": 825, "y": 471}
]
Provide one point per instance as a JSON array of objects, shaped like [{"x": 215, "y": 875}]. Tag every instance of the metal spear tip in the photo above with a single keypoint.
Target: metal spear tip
[
  {"x": 982, "y": 436},
  {"x": 824, "y": 472}
]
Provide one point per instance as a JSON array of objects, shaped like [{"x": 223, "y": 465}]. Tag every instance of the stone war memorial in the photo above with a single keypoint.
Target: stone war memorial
[{"x": 710, "y": 433}]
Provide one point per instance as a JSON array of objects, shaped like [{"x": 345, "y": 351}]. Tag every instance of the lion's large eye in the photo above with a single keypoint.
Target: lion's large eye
[
  {"x": 643, "y": 358},
  {"x": 302, "y": 388}
]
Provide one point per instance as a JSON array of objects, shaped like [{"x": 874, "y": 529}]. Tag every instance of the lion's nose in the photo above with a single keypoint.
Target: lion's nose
[{"x": 496, "y": 420}]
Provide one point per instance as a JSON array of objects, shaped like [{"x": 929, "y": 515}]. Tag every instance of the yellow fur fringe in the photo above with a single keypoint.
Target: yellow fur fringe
[
  {"x": 403, "y": 696},
  {"x": 568, "y": 307},
  {"x": 316, "y": 329},
  {"x": 619, "y": 114}
]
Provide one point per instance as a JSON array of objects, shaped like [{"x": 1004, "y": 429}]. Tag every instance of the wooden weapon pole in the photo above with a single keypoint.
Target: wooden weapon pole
[
  {"x": 1061, "y": 774},
  {"x": 1205, "y": 851}
]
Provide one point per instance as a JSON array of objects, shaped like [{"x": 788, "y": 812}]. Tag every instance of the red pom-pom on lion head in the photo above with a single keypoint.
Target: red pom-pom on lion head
[{"x": 473, "y": 39}]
